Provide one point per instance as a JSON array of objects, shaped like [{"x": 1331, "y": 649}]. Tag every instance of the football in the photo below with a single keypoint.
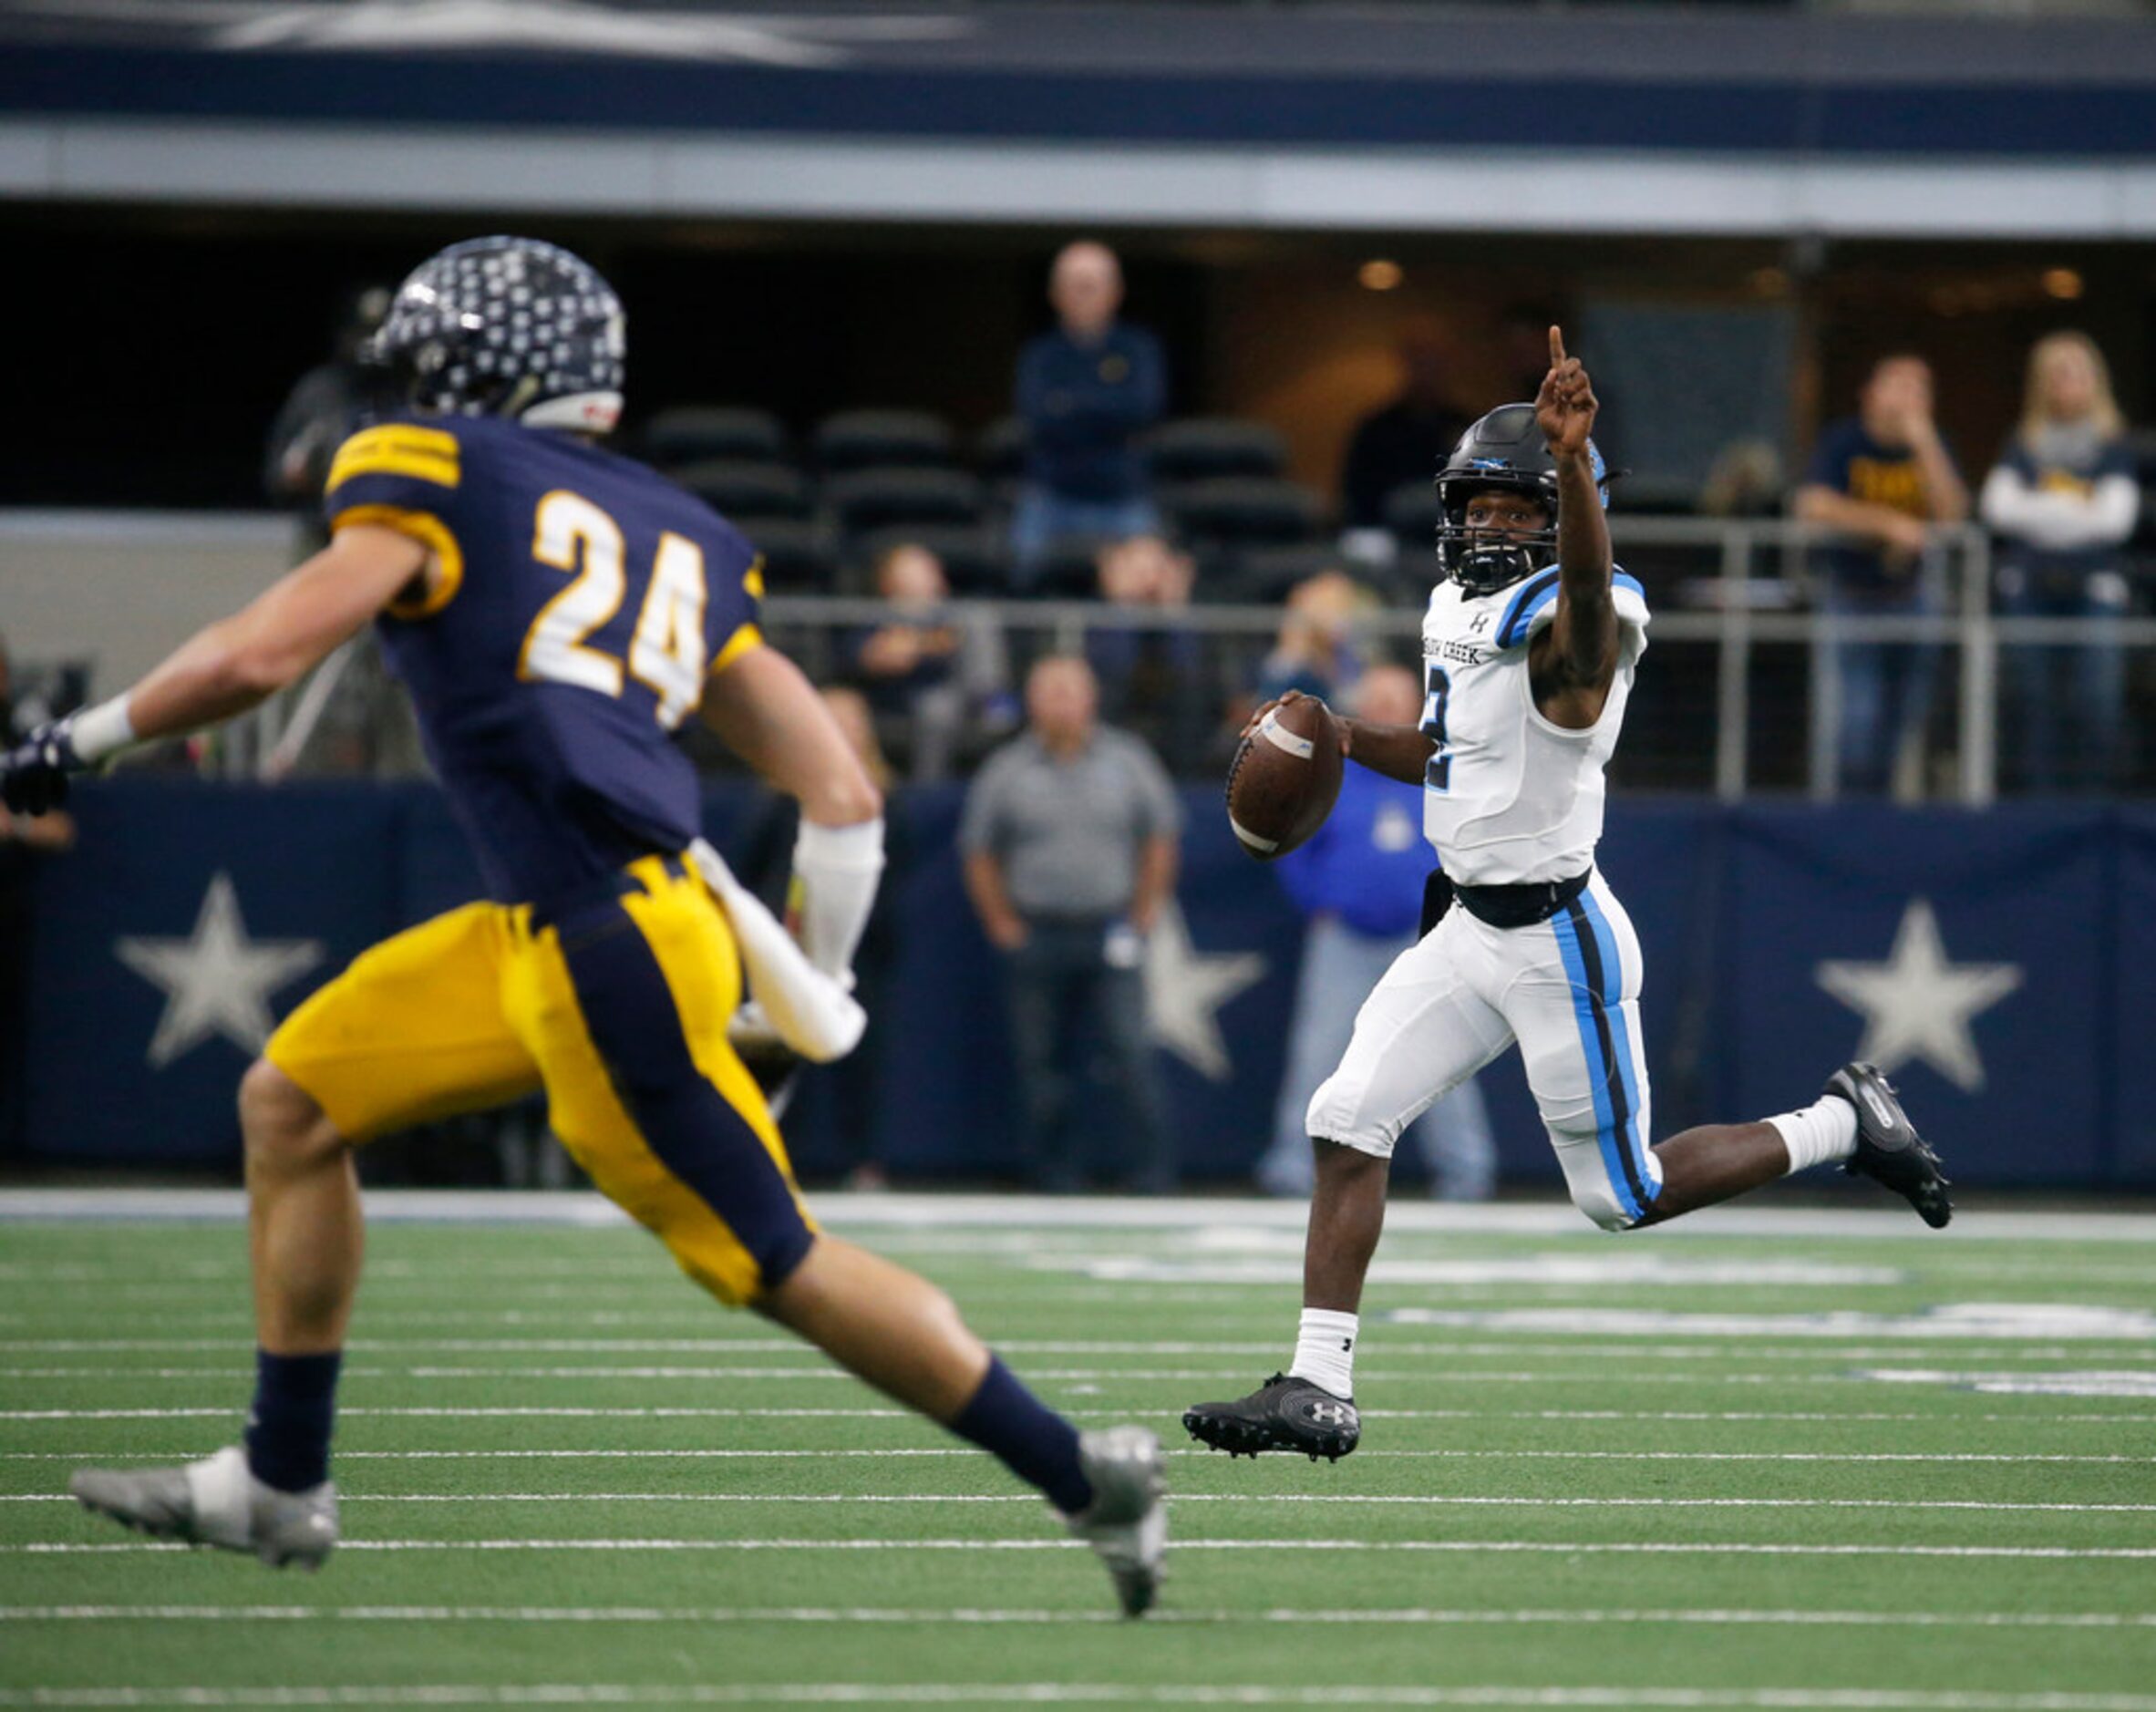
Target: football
[{"x": 1284, "y": 779}]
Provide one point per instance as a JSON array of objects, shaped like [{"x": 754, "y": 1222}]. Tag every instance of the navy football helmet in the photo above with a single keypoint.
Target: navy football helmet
[
  {"x": 1505, "y": 451},
  {"x": 508, "y": 326}
]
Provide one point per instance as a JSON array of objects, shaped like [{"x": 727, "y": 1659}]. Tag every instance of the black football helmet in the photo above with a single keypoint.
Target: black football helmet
[
  {"x": 508, "y": 326},
  {"x": 1504, "y": 450}
]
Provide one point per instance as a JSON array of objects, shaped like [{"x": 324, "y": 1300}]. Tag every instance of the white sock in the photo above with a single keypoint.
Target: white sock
[
  {"x": 1324, "y": 1350},
  {"x": 1825, "y": 1129}
]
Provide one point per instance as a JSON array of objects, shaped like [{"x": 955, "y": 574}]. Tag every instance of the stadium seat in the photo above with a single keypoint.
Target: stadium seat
[
  {"x": 1068, "y": 569},
  {"x": 745, "y": 489},
  {"x": 693, "y": 433},
  {"x": 866, "y": 440},
  {"x": 798, "y": 555},
  {"x": 999, "y": 451},
  {"x": 1412, "y": 514},
  {"x": 867, "y": 499},
  {"x": 973, "y": 556},
  {"x": 1263, "y": 576},
  {"x": 1244, "y": 512},
  {"x": 1204, "y": 449}
]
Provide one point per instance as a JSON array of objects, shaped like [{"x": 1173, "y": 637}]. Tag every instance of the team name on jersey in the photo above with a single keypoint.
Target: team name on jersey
[{"x": 1460, "y": 651}]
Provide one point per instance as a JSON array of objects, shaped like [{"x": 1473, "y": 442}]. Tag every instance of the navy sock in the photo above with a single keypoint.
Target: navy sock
[
  {"x": 295, "y": 1403},
  {"x": 1032, "y": 1442}
]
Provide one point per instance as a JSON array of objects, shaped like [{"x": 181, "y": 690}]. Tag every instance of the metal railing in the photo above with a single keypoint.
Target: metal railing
[{"x": 1742, "y": 690}]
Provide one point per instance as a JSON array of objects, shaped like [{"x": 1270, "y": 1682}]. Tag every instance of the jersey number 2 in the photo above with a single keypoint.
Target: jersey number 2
[
  {"x": 668, "y": 652},
  {"x": 1437, "y": 692}
]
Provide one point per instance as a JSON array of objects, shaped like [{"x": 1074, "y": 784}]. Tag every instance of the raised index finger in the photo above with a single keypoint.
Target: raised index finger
[{"x": 1556, "y": 346}]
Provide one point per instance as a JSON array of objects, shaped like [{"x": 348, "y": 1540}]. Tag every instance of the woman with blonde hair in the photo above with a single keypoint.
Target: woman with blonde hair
[{"x": 2062, "y": 501}]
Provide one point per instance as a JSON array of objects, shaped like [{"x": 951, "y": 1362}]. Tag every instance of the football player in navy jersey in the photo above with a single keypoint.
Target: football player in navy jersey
[{"x": 555, "y": 611}]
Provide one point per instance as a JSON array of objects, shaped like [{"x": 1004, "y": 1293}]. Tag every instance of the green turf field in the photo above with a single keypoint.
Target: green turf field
[{"x": 1776, "y": 1460}]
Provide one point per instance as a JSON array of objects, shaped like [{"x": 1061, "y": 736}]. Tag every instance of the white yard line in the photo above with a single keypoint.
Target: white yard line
[
  {"x": 1943, "y": 1417},
  {"x": 1075, "y": 1693},
  {"x": 960, "y": 1451},
  {"x": 1003, "y": 1213},
  {"x": 1800, "y": 1344},
  {"x": 1239, "y": 1377},
  {"x": 2116, "y": 1352},
  {"x": 1259, "y": 1498},
  {"x": 965, "y": 1617},
  {"x": 1459, "y": 1547}
]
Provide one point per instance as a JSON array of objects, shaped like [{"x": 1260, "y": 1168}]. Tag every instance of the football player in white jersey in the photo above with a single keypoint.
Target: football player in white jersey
[{"x": 1529, "y": 645}]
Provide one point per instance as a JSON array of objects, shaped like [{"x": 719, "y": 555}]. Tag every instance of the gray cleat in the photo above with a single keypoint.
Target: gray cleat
[
  {"x": 1127, "y": 1522},
  {"x": 217, "y": 1501}
]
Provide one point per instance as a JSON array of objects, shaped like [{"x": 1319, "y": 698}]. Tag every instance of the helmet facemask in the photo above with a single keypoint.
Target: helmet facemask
[{"x": 1483, "y": 559}]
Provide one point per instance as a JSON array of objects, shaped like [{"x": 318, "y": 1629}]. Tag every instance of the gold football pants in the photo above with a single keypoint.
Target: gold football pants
[{"x": 616, "y": 1005}]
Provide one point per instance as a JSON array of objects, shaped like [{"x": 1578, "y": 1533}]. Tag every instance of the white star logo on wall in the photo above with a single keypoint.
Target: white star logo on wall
[
  {"x": 1185, "y": 990},
  {"x": 577, "y": 27},
  {"x": 1918, "y": 1006},
  {"x": 216, "y": 981}
]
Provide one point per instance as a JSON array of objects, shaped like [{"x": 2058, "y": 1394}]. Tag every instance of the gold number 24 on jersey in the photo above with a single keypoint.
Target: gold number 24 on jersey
[{"x": 668, "y": 651}]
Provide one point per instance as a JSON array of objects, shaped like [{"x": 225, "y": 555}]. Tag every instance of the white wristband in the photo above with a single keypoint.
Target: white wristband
[{"x": 101, "y": 731}]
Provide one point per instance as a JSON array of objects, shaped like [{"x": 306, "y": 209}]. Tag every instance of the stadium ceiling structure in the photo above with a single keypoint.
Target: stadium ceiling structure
[{"x": 1649, "y": 121}]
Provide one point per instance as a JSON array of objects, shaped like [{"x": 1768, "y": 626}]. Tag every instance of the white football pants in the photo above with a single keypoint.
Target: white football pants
[{"x": 1567, "y": 990}]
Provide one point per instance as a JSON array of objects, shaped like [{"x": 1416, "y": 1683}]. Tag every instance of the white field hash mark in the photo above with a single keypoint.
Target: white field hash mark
[{"x": 967, "y": 1616}]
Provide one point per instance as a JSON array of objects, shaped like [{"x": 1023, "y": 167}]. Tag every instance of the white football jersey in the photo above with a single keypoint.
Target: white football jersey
[{"x": 1508, "y": 797}]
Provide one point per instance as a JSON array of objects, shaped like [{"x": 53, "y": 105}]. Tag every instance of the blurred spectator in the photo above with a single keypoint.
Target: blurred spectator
[
  {"x": 1359, "y": 882},
  {"x": 325, "y": 405},
  {"x": 2063, "y": 500},
  {"x": 356, "y": 722},
  {"x": 1153, "y": 678},
  {"x": 1409, "y": 437},
  {"x": 931, "y": 673},
  {"x": 1319, "y": 650},
  {"x": 1069, "y": 841},
  {"x": 1881, "y": 479},
  {"x": 25, "y": 840},
  {"x": 840, "y": 1099},
  {"x": 1086, "y": 390}
]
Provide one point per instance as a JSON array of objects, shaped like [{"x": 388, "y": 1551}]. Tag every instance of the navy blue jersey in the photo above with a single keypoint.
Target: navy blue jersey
[
  {"x": 1850, "y": 461},
  {"x": 582, "y": 605}
]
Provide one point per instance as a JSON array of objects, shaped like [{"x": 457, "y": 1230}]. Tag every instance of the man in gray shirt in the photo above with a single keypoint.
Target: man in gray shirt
[{"x": 1070, "y": 841}]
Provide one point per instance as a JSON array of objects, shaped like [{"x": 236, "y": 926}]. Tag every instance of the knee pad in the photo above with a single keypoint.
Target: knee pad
[
  {"x": 1331, "y": 1118},
  {"x": 1587, "y": 1180}
]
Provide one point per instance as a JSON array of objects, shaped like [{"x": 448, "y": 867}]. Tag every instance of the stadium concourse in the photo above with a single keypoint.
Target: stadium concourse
[{"x": 1772, "y": 1457}]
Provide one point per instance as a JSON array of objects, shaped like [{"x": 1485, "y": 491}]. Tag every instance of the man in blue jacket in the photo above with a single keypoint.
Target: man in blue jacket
[
  {"x": 1359, "y": 881},
  {"x": 1087, "y": 389}
]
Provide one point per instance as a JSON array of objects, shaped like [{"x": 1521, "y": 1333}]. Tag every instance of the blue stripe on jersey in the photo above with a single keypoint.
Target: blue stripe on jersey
[
  {"x": 1541, "y": 583},
  {"x": 1612, "y": 1112},
  {"x": 1606, "y": 936},
  {"x": 1538, "y": 594}
]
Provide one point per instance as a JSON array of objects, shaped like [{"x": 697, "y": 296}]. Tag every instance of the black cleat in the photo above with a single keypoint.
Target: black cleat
[
  {"x": 1889, "y": 1151},
  {"x": 1283, "y": 1413}
]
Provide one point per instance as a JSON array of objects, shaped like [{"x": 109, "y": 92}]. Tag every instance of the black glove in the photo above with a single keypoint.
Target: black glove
[{"x": 34, "y": 773}]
